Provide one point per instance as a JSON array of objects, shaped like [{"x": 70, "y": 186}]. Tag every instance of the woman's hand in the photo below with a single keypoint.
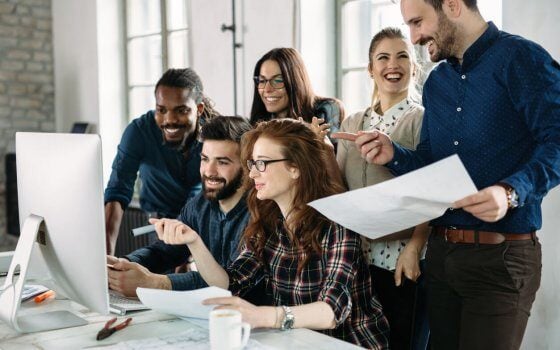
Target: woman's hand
[
  {"x": 408, "y": 264},
  {"x": 321, "y": 129},
  {"x": 174, "y": 231},
  {"x": 250, "y": 313}
]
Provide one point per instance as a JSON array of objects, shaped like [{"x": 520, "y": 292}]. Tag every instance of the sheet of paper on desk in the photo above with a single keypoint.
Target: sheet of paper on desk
[
  {"x": 181, "y": 303},
  {"x": 191, "y": 339},
  {"x": 402, "y": 202}
]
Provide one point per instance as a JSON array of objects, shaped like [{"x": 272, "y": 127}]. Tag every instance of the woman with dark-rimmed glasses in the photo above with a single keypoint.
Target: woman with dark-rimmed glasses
[{"x": 283, "y": 90}]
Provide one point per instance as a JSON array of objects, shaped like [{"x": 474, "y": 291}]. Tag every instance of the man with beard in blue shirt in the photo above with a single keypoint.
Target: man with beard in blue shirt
[
  {"x": 494, "y": 101},
  {"x": 218, "y": 214}
]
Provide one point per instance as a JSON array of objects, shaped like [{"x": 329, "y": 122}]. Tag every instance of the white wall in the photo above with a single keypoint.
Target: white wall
[
  {"x": 89, "y": 78},
  {"x": 75, "y": 62},
  {"x": 538, "y": 21}
]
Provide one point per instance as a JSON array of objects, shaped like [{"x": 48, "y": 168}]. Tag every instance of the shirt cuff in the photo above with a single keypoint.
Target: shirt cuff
[
  {"x": 396, "y": 165},
  {"x": 338, "y": 297},
  {"x": 187, "y": 281}
]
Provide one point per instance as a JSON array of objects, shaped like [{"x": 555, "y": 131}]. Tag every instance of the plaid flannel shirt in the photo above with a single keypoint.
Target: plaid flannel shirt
[{"x": 338, "y": 277}]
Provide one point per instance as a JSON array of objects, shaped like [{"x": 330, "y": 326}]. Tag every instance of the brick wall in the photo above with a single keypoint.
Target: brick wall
[{"x": 26, "y": 76}]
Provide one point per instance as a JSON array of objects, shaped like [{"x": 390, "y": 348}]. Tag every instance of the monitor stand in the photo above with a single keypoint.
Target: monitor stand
[{"x": 34, "y": 229}]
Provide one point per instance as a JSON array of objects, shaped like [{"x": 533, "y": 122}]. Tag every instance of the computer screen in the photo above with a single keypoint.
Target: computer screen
[{"x": 60, "y": 179}]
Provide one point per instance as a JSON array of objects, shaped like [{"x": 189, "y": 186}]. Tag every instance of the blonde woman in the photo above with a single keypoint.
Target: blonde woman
[{"x": 395, "y": 112}]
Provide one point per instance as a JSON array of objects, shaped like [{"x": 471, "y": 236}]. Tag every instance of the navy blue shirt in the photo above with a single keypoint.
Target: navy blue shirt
[
  {"x": 220, "y": 233},
  {"x": 500, "y": 112},
  {"x": 168, "y": 176}
]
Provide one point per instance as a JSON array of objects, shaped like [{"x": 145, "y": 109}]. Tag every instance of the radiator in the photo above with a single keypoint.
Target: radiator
[{"x": 126, "y": 243}]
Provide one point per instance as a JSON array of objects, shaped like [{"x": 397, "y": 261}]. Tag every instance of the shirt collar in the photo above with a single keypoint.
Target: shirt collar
[
  {"x": 240, "y": 206},
  {"x": 478, "y": 48},
  {"x": 392, "y": 114}
]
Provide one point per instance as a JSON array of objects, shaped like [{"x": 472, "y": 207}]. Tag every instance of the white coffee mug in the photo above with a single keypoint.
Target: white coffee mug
[{"x": 227, "y": 331}]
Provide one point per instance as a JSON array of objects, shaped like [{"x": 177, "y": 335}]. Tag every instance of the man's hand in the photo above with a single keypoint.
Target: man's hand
[
  {"x": 374, "y": 146},
  {"x": 126, "y": 276},
  {"x": 112, "y": 260},
  {"x": 173, "y": 231},
  {"x": 489, "y": 204}
]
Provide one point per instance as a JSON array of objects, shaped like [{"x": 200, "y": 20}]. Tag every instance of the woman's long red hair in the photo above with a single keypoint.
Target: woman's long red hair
[{"x": 310, "y": 155}]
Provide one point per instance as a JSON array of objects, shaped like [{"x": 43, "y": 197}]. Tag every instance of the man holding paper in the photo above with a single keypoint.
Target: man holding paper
[
  {"x": 495, "y": 102},
  {"x": 219, "y": 214}
]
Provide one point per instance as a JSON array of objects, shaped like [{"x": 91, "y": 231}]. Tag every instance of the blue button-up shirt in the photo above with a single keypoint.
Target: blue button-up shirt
[
  {"x": 169, "y": 177},
  {"x": 220, "y": 233},
  {"x": 500, "y": 112}
]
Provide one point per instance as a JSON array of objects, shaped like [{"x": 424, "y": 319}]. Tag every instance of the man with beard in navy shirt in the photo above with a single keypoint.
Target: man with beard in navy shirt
[{"x": 495, "y": 101}]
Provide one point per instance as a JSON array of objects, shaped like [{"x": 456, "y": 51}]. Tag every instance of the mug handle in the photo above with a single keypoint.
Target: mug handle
[{"x": 246, "y": 329}]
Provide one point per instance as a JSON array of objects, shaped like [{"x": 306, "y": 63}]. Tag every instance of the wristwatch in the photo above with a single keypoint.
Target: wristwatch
[
  {"x": 512, "y": 196},
  {"x": 288, "y": 321}
]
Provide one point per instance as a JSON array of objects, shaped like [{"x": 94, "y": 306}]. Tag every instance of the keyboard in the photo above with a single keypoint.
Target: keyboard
[{"x": 120, "y": 305}]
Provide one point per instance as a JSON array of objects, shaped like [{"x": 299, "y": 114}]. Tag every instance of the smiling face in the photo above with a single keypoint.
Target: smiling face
[
  {"x": 176, "y": 114},
  {"x": 220, "y": 169},
  {"x": 391, "y": 66},
  {"x": 276, "y": 101},
  {"x": 432, "y": 28},
  {"x": 277, "y": 182}
]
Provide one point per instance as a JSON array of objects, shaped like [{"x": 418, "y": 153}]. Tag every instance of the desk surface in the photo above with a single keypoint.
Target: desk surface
[{"x": 145, "y": 324}]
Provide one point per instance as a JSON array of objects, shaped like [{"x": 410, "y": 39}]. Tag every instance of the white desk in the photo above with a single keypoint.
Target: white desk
[{"x": 145, "y": 324}]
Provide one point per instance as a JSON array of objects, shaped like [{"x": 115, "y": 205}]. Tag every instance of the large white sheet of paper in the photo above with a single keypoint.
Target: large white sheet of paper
[
  {"x": 405, "y": 201},
  {"x": 181, "y": 303}
]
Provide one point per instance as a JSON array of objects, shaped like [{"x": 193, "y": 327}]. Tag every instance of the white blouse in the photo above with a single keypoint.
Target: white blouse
[{"x": 384, "y": 254}]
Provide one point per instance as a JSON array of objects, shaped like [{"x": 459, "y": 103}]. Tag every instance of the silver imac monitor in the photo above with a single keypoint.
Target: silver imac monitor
[{"x": 60, "y": 190}]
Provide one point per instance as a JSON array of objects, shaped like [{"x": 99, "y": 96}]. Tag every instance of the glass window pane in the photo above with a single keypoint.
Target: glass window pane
[
  {"x": 144, "y": 60},
  {"x": 176, "y": 14},
  {"x": 385, "y": 15},
  {"x": 143, "y": 16},
  {"x": 360, "y": 21},
  {"x": 356, "y": 91},
  {"x": 177, "y": 49},
  {"x": 141, "y": 100},
  {"x": 355, "y": 33}
]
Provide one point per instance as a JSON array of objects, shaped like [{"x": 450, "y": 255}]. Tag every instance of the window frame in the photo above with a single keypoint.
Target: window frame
[{"x": 163, "y": 33}]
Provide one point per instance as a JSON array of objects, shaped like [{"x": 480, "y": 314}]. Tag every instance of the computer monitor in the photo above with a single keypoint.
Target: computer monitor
[{"x": 60, "y": 188}]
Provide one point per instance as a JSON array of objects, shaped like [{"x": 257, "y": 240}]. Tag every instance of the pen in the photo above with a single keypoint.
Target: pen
[
  {"x": 139, "y": 231},
  {"x": 41, "y": 297}
]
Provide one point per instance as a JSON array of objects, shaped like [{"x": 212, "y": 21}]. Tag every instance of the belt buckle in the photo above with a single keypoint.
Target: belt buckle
[{"x": 446, "y": 230}]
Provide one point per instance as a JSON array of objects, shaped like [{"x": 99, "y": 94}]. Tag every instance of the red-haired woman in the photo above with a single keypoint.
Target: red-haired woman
[{"x": 314, "y": 269}]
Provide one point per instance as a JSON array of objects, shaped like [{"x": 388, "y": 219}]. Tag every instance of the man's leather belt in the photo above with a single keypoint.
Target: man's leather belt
[{"x": 454, "y": 235}]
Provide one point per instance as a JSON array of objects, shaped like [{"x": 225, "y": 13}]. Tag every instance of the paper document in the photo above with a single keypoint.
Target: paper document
[
  {"x": 181, "y": 303},
  {"x": 402, "y": 202},
  {"x": 191, "y": 339}
]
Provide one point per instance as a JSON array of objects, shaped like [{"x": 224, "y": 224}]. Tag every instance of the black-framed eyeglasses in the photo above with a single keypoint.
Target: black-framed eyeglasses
[
  {"x": 277, "y": 82},
  {"x": 261, "y": 164}
]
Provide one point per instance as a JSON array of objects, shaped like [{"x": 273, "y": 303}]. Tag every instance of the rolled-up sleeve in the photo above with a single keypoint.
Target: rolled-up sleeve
[
  {"x": 343, "y": 251},
  {"x": 244, "y": 273}
]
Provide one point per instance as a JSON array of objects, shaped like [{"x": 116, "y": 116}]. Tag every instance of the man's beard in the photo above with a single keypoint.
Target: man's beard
[
  {"x": 445, "y": 39},
  {"x": 225, "y": 192}
]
